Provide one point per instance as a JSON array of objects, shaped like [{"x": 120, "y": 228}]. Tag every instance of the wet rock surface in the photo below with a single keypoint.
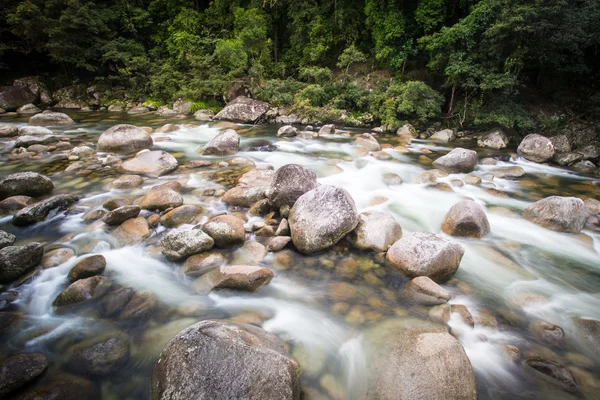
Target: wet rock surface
[
  {"x": 290, "y": 182},
  {"x": 83, "y": 290},
  {"x": 150, "y": 163},
  {"x": 19, "y": 370},
  {"x": 182, "y": 243},
  {"x": 536, "y": 148},
  {"x": 40, "y": 211},
  {"x": 243, "y": 109},
  {"x": 123, "y": 139},
  {"x": 25, "y": 184},
  {"x": 467, "y": 219},
  {"x": 458, "y": 160},
  {"x": 18, "y": 260},
  {"x": 561, "y": 214}
]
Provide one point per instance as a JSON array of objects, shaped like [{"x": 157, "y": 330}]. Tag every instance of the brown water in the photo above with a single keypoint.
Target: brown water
[{"x": 320, "y": 304}]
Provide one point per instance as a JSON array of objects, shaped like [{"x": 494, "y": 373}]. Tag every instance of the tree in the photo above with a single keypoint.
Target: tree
[{"x": 350, "y": 55}]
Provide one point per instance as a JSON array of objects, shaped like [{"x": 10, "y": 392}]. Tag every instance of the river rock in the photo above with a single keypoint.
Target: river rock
[
  {"x": 376, "y": 231},
  {"x": 200, "y": 264},
  {"x": 83, "y": 290},
  {"x": 226, "y": 143},
  {"x": 141, "y": 306},
  {"x": 278, "y": 243},
  {"x": 8, "y": 130},
  {"x": 561, "y": 214},
  {"x": 290, "y": 182},
  {"x": 553, "y": 372},
  {"x": 13, "y": 97},
  {"x": 321, "y": 217},
  {"x": 19, "y": 370},
  {"x": 495, "y": 139},
  {"x": 458, "y": 160},
  {"x": 51, "y": 119},
  {"x": 567, "y": 158},
  {"x": 28, "y": 109},
  {"x": 114, "y": 302},
  {"x": 467, "y": 219},
  {"x": 368, "y": 142},
  {"x": 204, "y": 115},
  {"x": 138, "y": 110},
  {"x": 243, "y": 109},
  {"x": 56, "y": 257},
  {"x": 424, "y": 291},
  {"x": 116, "y": 202},
  {"x": 256, "y": 365},
  {"x": 508, "y": 172},
  {"x": 446, "y": 136},
  {"x": 160, "y": 200},
  {"x": 87, "y": 267},
  {"x": 150, "y": 163},
  {"x": 63, "y": 387},
  {"x": 287, "y": 131},
  {"x": 237, "y": 277},
  {"x": 425, "y": 254},
  {"x": 327, "y": 130},
  {"x": 6, "y": 239},
  {"x": 25, "y": 183},
  {"x": 124, "y": 138},
  {"x": 185, "y": 214},
  {"x": 414, "y": 359},
  {"x": 547, "y": 332},
  {"x": 589, "y": 330},
  {"x": 132, "y": 231},
  {"x": 121, "y": 214},
  {"x": 127, "y": 182},
  {"x": 100, "y": 356},
  {"x": 39, "y": 211},
  {"x": 18, "y": 260},
  {"x": 584, "y": 166},
  {"x": 182, "y": 243},
  {"x": 536, "y": 148},
  {"x": 226, "y": 230}
]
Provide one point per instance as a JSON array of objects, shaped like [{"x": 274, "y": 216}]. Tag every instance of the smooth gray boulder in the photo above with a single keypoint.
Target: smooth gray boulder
[
  {"x": 536, "y": 148},
  {"x": 15, "y": 261},
  {"x": 236, "y": 277},
  {"x": 8, "y": 130},
  {"x": 182, "y": 243},
  {"x": 28, "y": 109},
  {"x": 423, "y": 290},
  {"x": 290, "y": 182},
  {"x": 376, "y": 231},
  {"x": 511, "y": 172},
  {"x": 224, "y": 361},
  {"x": 367, "y": 142},
  {"x": 466, "y": 219},
  {"x": 123, "y": 139},
  {"x": 13, "y": 97},
  {"x": 425, "y": 254},
  {"x": 495, "y": 139},
  {"x": 150, "y": 163},
  {"x": 287, "y": 131},
  {"x": 413, "y": 359},
  {"x": 445, "y": 136},
  {"x": 226, "y": 143},
  {"x": 560, "y": 214},
  {"x": 243, "y": 109},
  {"x": 322, "y": 217},
  {"x": 34, "y": 131},
  {"x": 51, "y": 119},
  {"x": 39, "y": 211},
  {"x": 25, "y": 184},
  {"x": 458, "y": 160}
]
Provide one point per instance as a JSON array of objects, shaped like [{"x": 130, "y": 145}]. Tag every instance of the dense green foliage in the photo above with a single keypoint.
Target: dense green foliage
[{"x": 466, "y": 61}]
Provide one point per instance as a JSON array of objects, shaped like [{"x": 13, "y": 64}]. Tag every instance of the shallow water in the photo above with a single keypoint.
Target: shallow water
[{"x": 320, "y": 305}]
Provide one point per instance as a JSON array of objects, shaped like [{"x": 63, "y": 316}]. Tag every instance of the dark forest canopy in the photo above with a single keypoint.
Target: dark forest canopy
[{"x": 472, "y": 61}]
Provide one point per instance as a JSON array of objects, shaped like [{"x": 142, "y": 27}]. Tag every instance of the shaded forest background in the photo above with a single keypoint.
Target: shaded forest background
[{"x": 520, "y": 64}]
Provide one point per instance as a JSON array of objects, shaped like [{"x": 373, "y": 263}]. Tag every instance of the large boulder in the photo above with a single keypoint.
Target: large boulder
[
  {"x": 37, "y": 86},
  {"x": 495, "y": 139},
  {"x": 291, "y": 181},
  {"x": 561, "y": 214},
  {"x": 132, "y": 232},
  {"x": 376, "y": 231},
  {"x": 226, "y": 230},
  {"x": 19, "y": 370},
  {"x": 411, "y": 359},
  {"x": 242, "y": 109},
  {"x": 123, "y": 139},
  {"x": 8, "y": 130},
  {"x": 25, "y": 184},
  {"x": 39, "y": 211},
  {"x": 322, "y": 217},
  {"x": 150, "y": 163},
  {"x": 367, "y": 142},
  {"x": 182, "y": 243},
  {"x": 28, "y": 109},
  {"x": 83, "y": 290},
  {"x": 87, "y": 267},
  {"x": 458, "y": 160},
  {"x": 226, "y": 143},
  {"x": 425, "y": 254},
  {"x": 287, "y": 131},
  {"x": 252, "y": 187},
  {"x": 467, "y": 219},
  {"x": 51, "y": 119},
  {"x": 224, "y": 360},
  {"x": 536, "y": 148},
  {"x": 13, "y": 97},
  {"x": 160, "y": 200},
  {"x": 18, "y": 260},
  {"x": 100, "y": 356},
  {"x": 237, "y": 277},
  {"x": 445, "y": 136}
]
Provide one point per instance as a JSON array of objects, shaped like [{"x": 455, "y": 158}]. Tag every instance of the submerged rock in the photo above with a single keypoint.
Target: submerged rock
[
  {"x": 39, "y": 211},
  {"x": 415, "y": 359},
  {"x": 18, "y": 260},
  {"x": 63, "y": 387},
  {"x": 51, "y": 119},
  {"x": 182, "y": 243},
  {"x": 553, "y": 372},
  {"x": 290, "y": 182},
  {"x": 150, "y": 163},
  {"x": 83, "y": 290},
  {"x": 322, "y": 217},
  {"x": 100, "y": 356},
  {"x": 536, "y": 148},
  {"x": 508, "y": 172},
  {"x": 376, "y": 231},
  {"x": 132, "y": 231},
  {"x": 25, "y": 183},
  {"x": 226, "y": 230},
  {"x": 458, "y": 160},
  {"x": 56, "y": 257},
  {"x": 467, "y": 219},
  {"x": 561, "y": 214},
  {"x": 425, "y": 254},
  {"x": 224, "y": 360},
  {"x": 19, "y": 370},
  {"x": 124, "y": 138},
  {"x": 244, "y": 110}
]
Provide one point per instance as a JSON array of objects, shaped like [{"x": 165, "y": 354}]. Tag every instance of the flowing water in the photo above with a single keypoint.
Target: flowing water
[{"x": 320, "y": 305}]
